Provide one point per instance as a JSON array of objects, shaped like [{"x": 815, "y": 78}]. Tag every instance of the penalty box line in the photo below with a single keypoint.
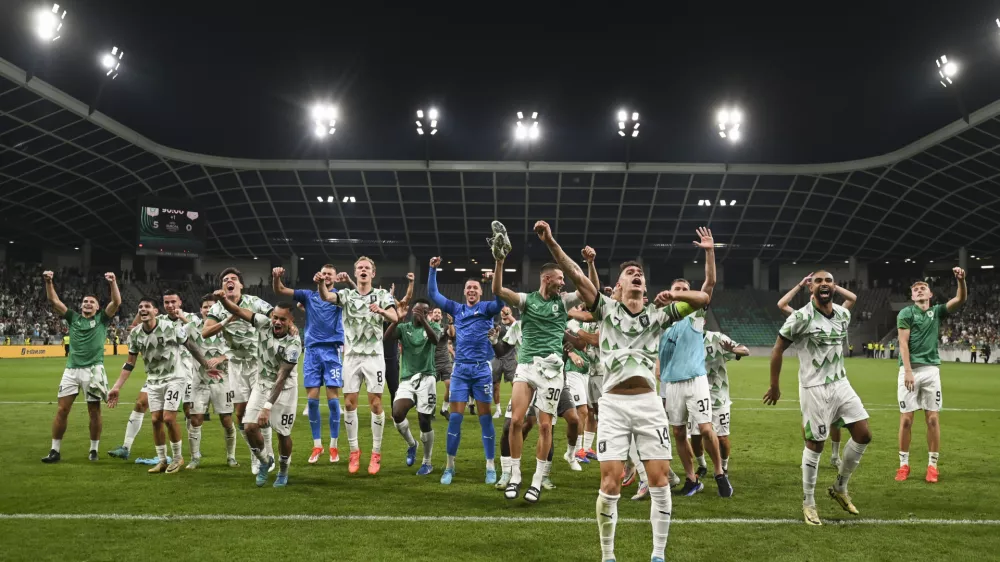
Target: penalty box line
[{"x": 475, "y": 519}]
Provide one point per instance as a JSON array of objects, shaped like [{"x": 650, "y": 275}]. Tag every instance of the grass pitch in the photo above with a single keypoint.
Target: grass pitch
[{"x": 113, "y": 510}]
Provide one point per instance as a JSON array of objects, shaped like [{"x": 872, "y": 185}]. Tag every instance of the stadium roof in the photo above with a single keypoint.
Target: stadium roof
[{"x": 67, "y": 174}]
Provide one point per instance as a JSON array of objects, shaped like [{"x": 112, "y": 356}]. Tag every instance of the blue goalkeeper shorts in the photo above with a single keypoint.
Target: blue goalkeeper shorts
[
  {"x": 322, "y": 367},
  {"x": 474, "y": 379}
]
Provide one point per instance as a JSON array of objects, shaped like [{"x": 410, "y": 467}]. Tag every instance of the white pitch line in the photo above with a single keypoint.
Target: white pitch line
[{"x": 470, "y": 519}]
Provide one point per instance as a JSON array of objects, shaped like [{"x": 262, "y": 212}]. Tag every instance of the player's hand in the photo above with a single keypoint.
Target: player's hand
[
  {"x": 411, "y": 277},
  {"x": 435, "y": 262},
  {"x": 707, "y": 242},
  {"x": 402, "y": 309},
  {"x": 215, "y": 362},
  {"x": 806, "y": 280},
  {"x": 214, "y": 374},
  {"x": 47, "y": 275},
  {"x": 576, "y": 359},
  {"x": 959, "y": 272},
  {"x": 544, "y": 231},
  {"x": 277, "y": 272},
  {"x": 293, "y": 329},
  {"x": 220, "y": 294},
  {"x": 589, "y": 254},
  {"x": 110, "y": 277},
  {"x": 663, "y": 298},
  {"x": 908, "y": 381},
  {"x": 729, "y": 346},
  {"x": 488, "y": 275},
  {"x": 343, "y": 277},
  {"x": 113, "y": 397},
  {"x": 375, "y": 308},
  {"x": 318, "y": 278},
  {"x": 772, "y": 395},
  {"x": 265, "y": 416},
  {"x": 492, "y": 334}
]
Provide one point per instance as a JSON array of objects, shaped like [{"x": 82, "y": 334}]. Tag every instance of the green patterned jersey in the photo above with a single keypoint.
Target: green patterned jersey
[
  {"x": 211, "y": 348},
  {"x": 629, "y": 342},
  {"x": 160, "y": 349},
  {"x": 240, "y": 335},
  {"x": 418, "y": 350},
  {"x": 715, "y": 364},
  {"x": 592, "y": 351},
  {"x": 273, "y": 351},
  {"x": 821, "y": 351},
  {"x": 363, "y": 328},
  {"x": 543, "y": 322}
]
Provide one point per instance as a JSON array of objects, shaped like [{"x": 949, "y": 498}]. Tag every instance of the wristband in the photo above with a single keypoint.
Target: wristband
[
  {"x": 268, "y": 405},
  {"x": 128, "y": 367}
]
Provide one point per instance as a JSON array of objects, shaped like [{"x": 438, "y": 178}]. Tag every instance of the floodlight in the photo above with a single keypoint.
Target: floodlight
[
  {"x": 48, "y": 23},
  {"x": 329, "y": 198},
  {"x": 318, "y": 198},
  {"x": 527, "y": 129},
  {"x": 348, "y": 199},
  {"x": 732, "y": 203},
  {"x": 324, "y": 116},
  {"x": 946, "y": 70},
  {"x": 729, "y": 121},
  {"x": 628, "y": 122},
  {"x": 112, "y": 62},
  {"x": 429, "y": 123}
]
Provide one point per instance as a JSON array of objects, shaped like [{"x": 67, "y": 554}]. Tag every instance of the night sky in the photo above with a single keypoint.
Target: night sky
[{"x": 837, "y": 83}]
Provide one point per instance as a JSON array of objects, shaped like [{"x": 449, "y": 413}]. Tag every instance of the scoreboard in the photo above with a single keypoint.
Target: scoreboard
[{"x": 170, "y": 228}]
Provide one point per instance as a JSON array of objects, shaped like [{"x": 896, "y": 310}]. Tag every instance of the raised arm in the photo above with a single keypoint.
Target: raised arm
[
  {"x": 589, "y": 255},
  {"x": 707, "y": 243},
  {"x": 962, "y": 294},
  {"x": 116, "y": 296},
  {"x": 784, "y": 302},
  {"x": 849, "y": 297},
  {"x": 50, "y": 294},
  {"x": 505, "y": 294},
  {"x": 432, "y": 288},
  {"x": 696, "y": 300},
  {"x": 325, "y": 293},
  {"x": 278, "y": 286},
  {"x": 232, "y": 308},
  {"x": 410, "y": 277},
  {"x": 584, "y": 288}
]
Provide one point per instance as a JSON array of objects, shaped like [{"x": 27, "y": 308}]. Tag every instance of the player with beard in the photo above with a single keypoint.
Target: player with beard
[
  {"x": 826, "y": 397},
  {"x": 324, "y": 339},
  {"x": 159, "y": 342},
  {"x": 84, "y": 370},
  {"x": 540, "y": 355},
  {"x": 364, "y": 310},
  {"x": 629, "y": 407},
  {"x": 471, "y": 377},
  {"x": 919, "y": 383},
  {"x": 786, "y": 310},
  {"x": 242, "y": 339},
  {"x": 275, "y": 392}
]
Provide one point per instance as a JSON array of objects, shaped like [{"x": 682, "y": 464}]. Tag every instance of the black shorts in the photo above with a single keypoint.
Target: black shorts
[
  {"x": 500, "y": 373},
  {"x": 444, "y": 373}
]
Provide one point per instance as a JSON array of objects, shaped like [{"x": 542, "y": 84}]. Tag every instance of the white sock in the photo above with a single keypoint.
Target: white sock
[
  {"x": 588, "y": 440},
  {"x": 230, "y": 436},
  {"x": 259, "y": 454},
  {"x": 194, "y": 441},
  {"x": 427, "y": 439},
  {"x": 333, "y": 442},
  {"x": 176, "y": 451},
  {"x": 56, "y": 444},
  {"x": 835, "y": 451},
  {"x": 852, "y": 457},
  {"x": 450, "y": 462},
  {"x": 378, "y": 424},
  {"x": 607, "y": 518},
  {"x": 351, "y": 421},
  {"x": 161, "y": 452},
  {"x": 932, "y": 459},
  {"x": 810, "y": 469},
  {"x": 133, "y": 427},
  {"x": 317, "y": 443},
  {"x": 571, "y": 450},
  {"x": 95, "y": 444},
  {"x": 515, "y": 470},
  {"x": 505, "y": 465},
  {"x": 701, "y": 461},
  {"x": 536, "y": 479},
  {"x": 904, "y": 458},
  {"x": 661, "y": 504},
  {"x": 725, "y": 464},
  {"x": 491, "y": 464},
  {"x": 268, "y": 446},
  {"x": 404, "y": 430}
]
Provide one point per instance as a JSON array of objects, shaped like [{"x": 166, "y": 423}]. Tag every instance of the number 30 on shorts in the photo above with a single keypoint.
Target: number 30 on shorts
[{"x": 553, "y": 394}]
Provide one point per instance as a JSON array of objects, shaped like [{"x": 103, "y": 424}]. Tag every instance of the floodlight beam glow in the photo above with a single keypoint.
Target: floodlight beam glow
[
  {"x": 49, "y": 23},
  {"x": 729, "y": 121}
]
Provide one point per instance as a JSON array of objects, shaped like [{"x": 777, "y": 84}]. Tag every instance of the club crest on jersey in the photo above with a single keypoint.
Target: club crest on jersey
[
  {"x": 159, "y": 341},
  {"x": 281, "y": 350},
  {"x": 644, "y": 321},
  {"x": 930, "y": 314},
  {"x": 93, "y": 323},
  {"x": 555, "y": 309},
  {"x": 371, "y": 298}
]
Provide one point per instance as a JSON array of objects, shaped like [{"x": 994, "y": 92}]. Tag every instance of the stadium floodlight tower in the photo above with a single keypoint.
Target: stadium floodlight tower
[
  {"x": 427, "y": 127},
  {"x": 628, "y": 129},
  {"x": 948, "y": 70},
  {"x": 112, "y": 62},
  {"x": 49, "y": 23},
  {"x": 527, "y": 131},
  {"x": 730, "y": 123},
  {"x": 324, "y": 116}
]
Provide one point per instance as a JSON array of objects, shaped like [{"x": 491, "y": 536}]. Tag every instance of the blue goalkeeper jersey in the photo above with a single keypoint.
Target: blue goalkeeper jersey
[{"x": 472, "y": 323}]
